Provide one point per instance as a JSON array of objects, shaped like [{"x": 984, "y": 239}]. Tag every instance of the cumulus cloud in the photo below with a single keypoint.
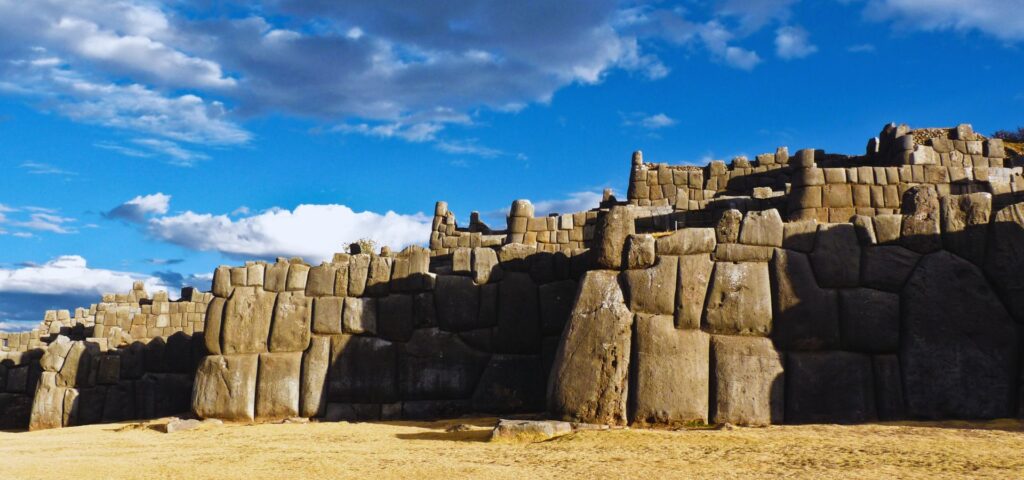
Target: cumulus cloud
[
  {"x": 792, "y": 43},
  {"x": 70, "y": 274},
  {"x": 574, "y": 202},
  {"x": 999, "y": 18},
  {"x": 314, "y": 232},
  {"x": 137, "y": 209}
]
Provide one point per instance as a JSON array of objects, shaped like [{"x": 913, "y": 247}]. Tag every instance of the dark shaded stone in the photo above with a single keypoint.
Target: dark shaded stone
[
  {"x": 806, "y": 316},
  {"x": 363, "y": 370},
  {"x": 511, "y": 383},
  {"x": 829, "y": 387},
  {"x": 458, "y": 303},
  {"x": 836, "y": 256},
  {"x": 870, "y": 320},
  {"x": 888, "y": 388},
  {"x": 556, "y": 301},
  {"x": 437, "y": 365},
  {"x": 395, "y": 317},
  {"x": 518, "y": 329},
  {"x": 888, "y": 267},
  {"x": 1005, "y": 260}
]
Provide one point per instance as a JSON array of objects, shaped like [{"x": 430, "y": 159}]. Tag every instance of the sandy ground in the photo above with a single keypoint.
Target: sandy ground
[{"x": 427, "y": 451}]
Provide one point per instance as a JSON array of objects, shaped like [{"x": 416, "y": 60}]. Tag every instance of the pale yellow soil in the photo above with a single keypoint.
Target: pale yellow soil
[{"x": 426, "y": 451}]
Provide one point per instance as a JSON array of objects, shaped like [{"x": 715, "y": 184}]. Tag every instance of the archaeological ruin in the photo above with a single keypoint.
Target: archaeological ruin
[{"x": 804, "y": 288}]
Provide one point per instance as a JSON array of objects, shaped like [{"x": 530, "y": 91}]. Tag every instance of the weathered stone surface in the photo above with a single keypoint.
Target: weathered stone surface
[
  {"x": 889, "y": 400},
  {"x": 378, "y": 276},
  {"x": 221, "y": 285},
  {"x": 358, "y": 270},
  {"x": 888, "y": 228},
  {"x": 870, "y": 320},
  {"x": 395, "y": 317},
  {"x": 836, "y": 256},
  {"x": 613, "y": 227},
  {"x": 739, "y": 299},
  {"x": 747, "y": 381},
  {"x": 437, "y": 365},
  {"x": 829, "y": 387},
  {"x": 78, "y": 365},
  {"x": 458, "y": 303},
  {"x": 762, "y": 228},
  {"x": 669, "y": 382},
  {"x": 686, "y": 241},
  {"x": 511, "y": 383},
  {"x": 920, "y": 229},
  {"x": 887, "y": 267},
  {"x": 865, "y": 228},
  {"x": 653, "y": 290},
  {"x": 225, "y": 388},
  {"x": 352, "y": 412},
  {"x": 589, "y": 377},
  {"x": 735, "y": 252},
  {"x": 327, "y": 315},
  {"x": 516, "y": 256},
  {"x": 289, "y": 331},
  {"x": 320, "y": 280},
  {"x": 48, "y": 405},
  {"x": 277, "y": 387},
  {"x": 692, "y": 285},
  {"x": 109, "y": 371},
  {"x": 806, "y": 316},
  {"x": 313, "y": 388},
  {"x": 518, "y": 328},
  {"x": 958, "y": 345},
  {"x": 342, "y": 261},
  {"x": 214, "y": 319},
  {"x": 727, "y": 230},
  {"x": 485, "y": 266},
  {"x": 56, "y": 352},
  {"x": 298, "y": 273},
  {"x": 462, "y": 260},
  {"x": 965, "y": 221},
  {"x": 17, "y": 380},
  {"x": 359, "y": 316},
  {"x": 1005, "y": 260},
  {"x": 556, "y": 300},
  {"x": 639, "y": 251},
  {"x": 276, "y": 277},
  {"x": 246, "y": 321},
  {"x": 363, "y": 370},
  {"x": 799, "y": 236},
  {"x": 528, "y": 431}
]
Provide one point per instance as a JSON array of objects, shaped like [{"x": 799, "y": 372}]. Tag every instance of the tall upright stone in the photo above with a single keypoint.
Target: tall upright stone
[
  {"x": 670, "y": 373},
  {"x": 613, "y": 229}
]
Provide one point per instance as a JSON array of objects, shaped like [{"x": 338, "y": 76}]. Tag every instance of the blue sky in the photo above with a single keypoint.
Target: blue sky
[{"x": 154, "y": 140}]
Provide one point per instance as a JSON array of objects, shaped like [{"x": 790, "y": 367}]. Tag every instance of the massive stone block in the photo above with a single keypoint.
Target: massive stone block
[
  {"x": 829, "y": 387},
  {"x": 518, "y": 329},
  {"x": 358, "y": 270},
  {"x": 214, "y": 319},
  {"x": 806, "y": 316},
  {"x": 958, "y": 345},
  {"x": 888, "y": 267},
  {"x": 511, "y": 383},
  {"x": 48, "y": 405},
  {"x": 556, "y": 301},
  {"x": 276, "y": 277},
  {"x": 395, "y": 317},
  {"x": 836, "y": 256},
  {"x": 246, "y": 321},
  {"x": 614, "y": 226},
  {"x": 669, "y": 380},
  {"x": 589, "y": 378},
  {"x": 965, "y": 221},
  {"x": 437, "y": 365},
  {"x": 653, "y": 290},
  {"x": 378, "y": 276},
  {"x": 485, "y": 266},
  {"x": 277, "y": 387},
  {"x": 359, "y": 316},
  {"x": 686, "y": 241},
  {"x": 225, "y": 388},
  {"x": 739, "y": 299},
  {"x": 747, "y": 381},
  {"x": 320, "y": 280},
  {"x": 289, "y": 331},
  {"x": 1005, "y": 260},
  {"x": 692, "y": 285},
  {"x": 762, "y": 228},
  {"x": 363, "y": 370},
  {"x": 458, "y": 302},
  {"x": 870, "y": 320},
  {"x": 889, "y": 400},
  {"x": 327, "y": 315},
  {"x": 316, "y": 360}
]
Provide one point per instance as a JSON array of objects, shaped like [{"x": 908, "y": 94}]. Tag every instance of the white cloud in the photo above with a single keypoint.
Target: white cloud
[
  {"x": 70, "y": 274},
  {"x": 314, "y": 232},
  {"x": 659, "y": 120},
  {"x": 792, "y": 43},
  {"x": 741, "y": 58},
  {"x": 999, "y": 18},
  {"x": 38, "y": 168},
  {"x": 575, "y": 202},
  {"x": 138, "y": 208},
  {"x": 46, "y": 222},
  {"x": 174, "y": 151},
  {"x": 861, "y": 48}
]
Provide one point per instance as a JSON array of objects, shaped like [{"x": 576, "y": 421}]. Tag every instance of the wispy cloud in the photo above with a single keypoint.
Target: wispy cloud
[
  {"x": 861, "y": 48},
  {"x": 793, "y": 42},
  {"x": 37, "y": 168}
]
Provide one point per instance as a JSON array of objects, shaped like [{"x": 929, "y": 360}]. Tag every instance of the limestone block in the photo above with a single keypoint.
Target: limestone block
[
  {"x": 735, "y": 252},
  {"x": 277, "y": 387},
  {"x": 485, "y": 266},
  {"x": 652, "y": 290},
  {"x": 320, "y": 280},
  {"x": 48, "y": 405},
  {"x": 516, "y": 256},
  {"x": 78, "y": 365},
  {"x": 805, "y": 197},
  {"x": 807, "y": 177},
  {"x": 958, "y": 345},
  {"x": 1005, "y": 260},
  {"x": 739, "y": 299},
  {"x": 316, "y": 360},
  {"x": 351, "y": 380},
  {"x": 378, "y": 276},
  {"x": 358, "y": 270},
  {"x": 727, "y": 230},
  {"x": 870, "y": 320},
  {"x": 762, "y": 228},
  {"x": 458, "y": 303},
  {"x": 225, "y": 388},
  {"x": 255, "y": 274},
  {"x": 617, "y": 224},
  {"x": 888, "y": 387},
  {"x": 639, "y": 251},
  {"x": 590, "y": 371},
  {"x": 462, "y": 260},
  {"x": 342, "y": 261},
  {"x": 556, "y": 300},
  {"x": 800, "y": 235},
  {"x": 806, "y": 316},
  {"x": 246, "y": 323},
  {"x": 109, "y": 370},
  {"x": 276, "y": 277},
  {"x": 298, "y": 274},
  {"x": 747, "y": 381},
  {"x": 423, "y": 310},
  {"x": 239, "y": 276},
  {"x": 887, "y": 228},
  {"x": 670, "y": 373},
  {"x": 694, "y": 277},
  {"x": 511, "y": 384},
  {"x": 686, "y": 241},
  {"x": 920, "y": 229},
  {"x": 395, "y": 317},
  {"x": 829, "y": 387},
  {"x": 221, "y": 286},
  {"x": 518, "y": 328},
  {"x": 994, "y": 148},
  {"x": 289, "y": 331},
  {"x": 359, "y": 316},
  {"x": 56, "y": 352},
  {"x": 327, "y": 315},
  {"x": 836, "y": 256},
  {"x": 436, "y": 365}
]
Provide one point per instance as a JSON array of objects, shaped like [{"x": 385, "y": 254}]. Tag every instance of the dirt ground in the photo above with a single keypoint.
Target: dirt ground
[{"x": 427, "y": 451}]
